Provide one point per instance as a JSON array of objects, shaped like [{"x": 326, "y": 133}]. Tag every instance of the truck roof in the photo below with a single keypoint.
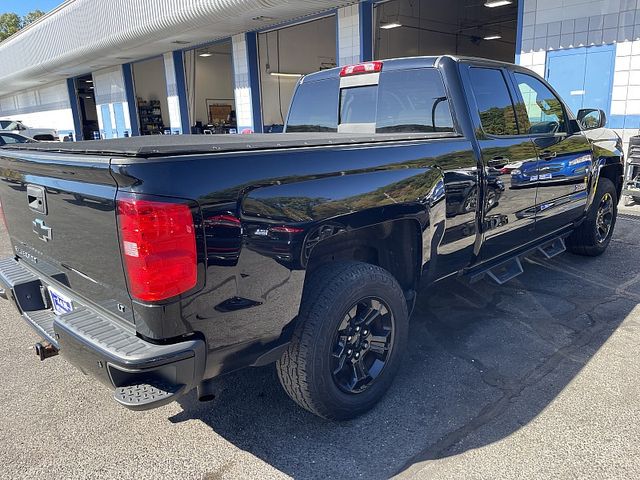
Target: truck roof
[
  {"x": 166, "y": 145},
  {"x": 404, "y": 63}
]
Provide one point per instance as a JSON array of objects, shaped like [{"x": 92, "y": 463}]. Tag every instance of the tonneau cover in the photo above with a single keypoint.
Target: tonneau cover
[{"x": 164, "y": 145}]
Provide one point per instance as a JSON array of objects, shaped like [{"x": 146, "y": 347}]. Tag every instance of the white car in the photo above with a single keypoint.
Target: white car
[{"x": 16, "y": 126}]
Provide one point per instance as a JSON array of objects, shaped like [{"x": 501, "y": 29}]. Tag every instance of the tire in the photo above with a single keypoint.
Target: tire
[
  {"x": 589, "y": 239},
  {"x": 334, "y": 305}
]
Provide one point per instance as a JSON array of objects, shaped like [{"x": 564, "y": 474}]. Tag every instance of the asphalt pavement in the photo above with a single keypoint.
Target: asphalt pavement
[{"x": 538, "y": 378}]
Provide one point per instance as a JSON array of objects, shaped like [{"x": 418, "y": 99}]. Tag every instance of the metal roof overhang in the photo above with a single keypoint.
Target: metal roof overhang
[{"x": 82, "y": 36}]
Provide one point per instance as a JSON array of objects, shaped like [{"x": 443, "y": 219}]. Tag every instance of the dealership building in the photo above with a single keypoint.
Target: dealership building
[{"x": 133, "y": 67}]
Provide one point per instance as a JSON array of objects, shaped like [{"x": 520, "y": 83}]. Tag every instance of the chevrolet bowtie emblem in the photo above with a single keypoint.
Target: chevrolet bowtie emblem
[{"x": 41, "y": 230}]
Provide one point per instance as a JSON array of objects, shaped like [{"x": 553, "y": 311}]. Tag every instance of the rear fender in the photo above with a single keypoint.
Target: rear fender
[{"x": 322, "y": 208}]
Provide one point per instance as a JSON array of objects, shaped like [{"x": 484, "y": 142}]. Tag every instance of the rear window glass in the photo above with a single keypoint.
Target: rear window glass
[
  {"x": 358, "y": 104},
  {"x": 412, "y": 101},
  {"x": 404, "y": 101},
  {"x": 315, "y": 107}
]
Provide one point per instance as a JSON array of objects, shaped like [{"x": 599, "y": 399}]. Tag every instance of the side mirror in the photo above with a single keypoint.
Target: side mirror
[{"x": 591, "y": 118}]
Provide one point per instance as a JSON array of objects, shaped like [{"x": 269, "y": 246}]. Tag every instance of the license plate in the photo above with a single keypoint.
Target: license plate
[{"x": 61, "y": 303}]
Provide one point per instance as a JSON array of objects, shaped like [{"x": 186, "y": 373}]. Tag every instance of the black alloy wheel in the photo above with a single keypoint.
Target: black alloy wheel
[
  {"x": 362, "y": 345},
  {"x": 604, "y": 218}
]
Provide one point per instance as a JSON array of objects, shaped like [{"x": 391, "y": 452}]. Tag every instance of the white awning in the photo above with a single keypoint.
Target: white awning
[{"x": 82, "y": 36}]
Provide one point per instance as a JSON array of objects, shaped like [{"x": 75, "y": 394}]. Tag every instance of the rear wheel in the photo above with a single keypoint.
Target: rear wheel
[
  {"x": 348, "y": 344},
  {"x": 592, "y": 237}
]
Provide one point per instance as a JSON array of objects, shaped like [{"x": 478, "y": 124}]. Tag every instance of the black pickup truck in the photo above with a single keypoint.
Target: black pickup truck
[{"x": 157, "y": 264}]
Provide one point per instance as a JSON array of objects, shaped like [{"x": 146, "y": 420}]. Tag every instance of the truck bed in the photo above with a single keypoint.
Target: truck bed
[{"x": 164, "y": 145}]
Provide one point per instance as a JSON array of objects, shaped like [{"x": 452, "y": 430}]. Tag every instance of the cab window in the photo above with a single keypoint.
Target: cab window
[
  {"x": 495, "y": 107},
  {"x": 315, "y": 107},
  {"x": 411, "y": 101}
]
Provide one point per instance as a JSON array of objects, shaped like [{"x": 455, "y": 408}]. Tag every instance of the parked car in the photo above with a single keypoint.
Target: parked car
[
  {"x": 11, "y": 138},
  {"x": 16, "y": 126},
  {"x": 157, "y": 264},
  {"x": 554, "y": 170}
]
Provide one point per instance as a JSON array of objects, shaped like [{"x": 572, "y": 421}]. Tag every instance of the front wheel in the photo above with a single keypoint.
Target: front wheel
[
  {"x": 593, "y": 235},
  {"x": 347, "y": 346}
]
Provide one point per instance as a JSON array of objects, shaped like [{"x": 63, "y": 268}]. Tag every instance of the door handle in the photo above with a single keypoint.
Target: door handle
[{"x": 547, "y": 155}]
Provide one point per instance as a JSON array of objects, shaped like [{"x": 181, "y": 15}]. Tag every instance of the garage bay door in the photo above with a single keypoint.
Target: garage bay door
[{"x": 583, "y": 76}]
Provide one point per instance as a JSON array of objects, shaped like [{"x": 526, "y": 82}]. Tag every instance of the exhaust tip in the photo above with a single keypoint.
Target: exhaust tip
[
  {"x": 208, "y": 390},
  {"x": 207, "y": 398}
]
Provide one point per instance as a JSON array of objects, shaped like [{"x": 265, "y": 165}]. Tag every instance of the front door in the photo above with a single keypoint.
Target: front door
[
  {"x": 564, "y": 157},
  {"x": 509, "y": 209}
]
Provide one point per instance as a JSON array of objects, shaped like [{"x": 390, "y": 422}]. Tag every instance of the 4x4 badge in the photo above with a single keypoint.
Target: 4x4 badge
[{"x": 41, "y": 230}]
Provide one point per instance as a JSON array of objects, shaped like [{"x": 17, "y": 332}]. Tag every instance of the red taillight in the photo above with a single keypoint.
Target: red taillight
[
  {"x": 368, "y": 67},
  {"x": 159, "y": 247}
]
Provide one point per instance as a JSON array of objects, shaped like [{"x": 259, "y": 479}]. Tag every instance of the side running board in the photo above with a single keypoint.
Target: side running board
[
  {"x": 552, "y": 248},
  {"x": 512, "y": 267},
  {"x": 505, "y": 271}
]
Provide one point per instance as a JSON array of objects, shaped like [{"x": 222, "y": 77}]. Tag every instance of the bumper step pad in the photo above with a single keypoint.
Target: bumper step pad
[
  {"x": 42, "y": 322},
  {"x": 146, "y": 395}
]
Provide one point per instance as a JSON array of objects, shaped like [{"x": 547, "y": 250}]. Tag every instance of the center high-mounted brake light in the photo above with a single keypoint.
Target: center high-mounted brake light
[
  {"x": 159, "y": 247},
  {"x": 360, "y": 68}
]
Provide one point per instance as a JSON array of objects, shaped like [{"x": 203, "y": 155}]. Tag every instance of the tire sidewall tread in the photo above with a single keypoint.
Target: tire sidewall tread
[
  {"x": 305, "y": 370},
  {"x": 582, "y": 240}
]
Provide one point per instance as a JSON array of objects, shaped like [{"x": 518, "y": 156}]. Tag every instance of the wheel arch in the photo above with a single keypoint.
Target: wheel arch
[
  {"x": 614, "y": 172},
  {"x": 395, "y": 245}
]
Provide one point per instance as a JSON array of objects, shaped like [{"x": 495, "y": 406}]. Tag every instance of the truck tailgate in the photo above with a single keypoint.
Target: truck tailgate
[{"x": 60, "y": 213}]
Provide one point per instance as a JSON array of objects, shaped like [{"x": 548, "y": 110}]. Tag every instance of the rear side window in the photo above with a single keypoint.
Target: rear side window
[
  {"x": 315, "y": 107},
  {"x": 495, "y": 107},
  {"x": 412, "y": 101}
]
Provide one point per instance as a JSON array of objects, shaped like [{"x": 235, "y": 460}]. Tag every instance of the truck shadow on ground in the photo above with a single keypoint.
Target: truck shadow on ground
[{"x": 483, "y": 361}]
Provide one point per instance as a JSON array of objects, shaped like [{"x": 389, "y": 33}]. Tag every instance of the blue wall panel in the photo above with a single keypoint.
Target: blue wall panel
[
  {"x": 121, "y": 126},
  {"x": 75, "y": 109},
  {"x": 366, "y": 31},
  {"x": 107, "y": 128},
  {"x": 132, "y": 102},
  {"x": 519, "y": 24},
  {"x": 583, "y": 76},
  {"x": 181, "y": 87},
  {"x": 254, "y": 79}
]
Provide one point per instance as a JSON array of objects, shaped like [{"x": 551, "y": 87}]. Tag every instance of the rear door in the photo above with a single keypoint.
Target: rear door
[
  {"x": 509, "y": 208},
  {"x": 564, "y": 156}
]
